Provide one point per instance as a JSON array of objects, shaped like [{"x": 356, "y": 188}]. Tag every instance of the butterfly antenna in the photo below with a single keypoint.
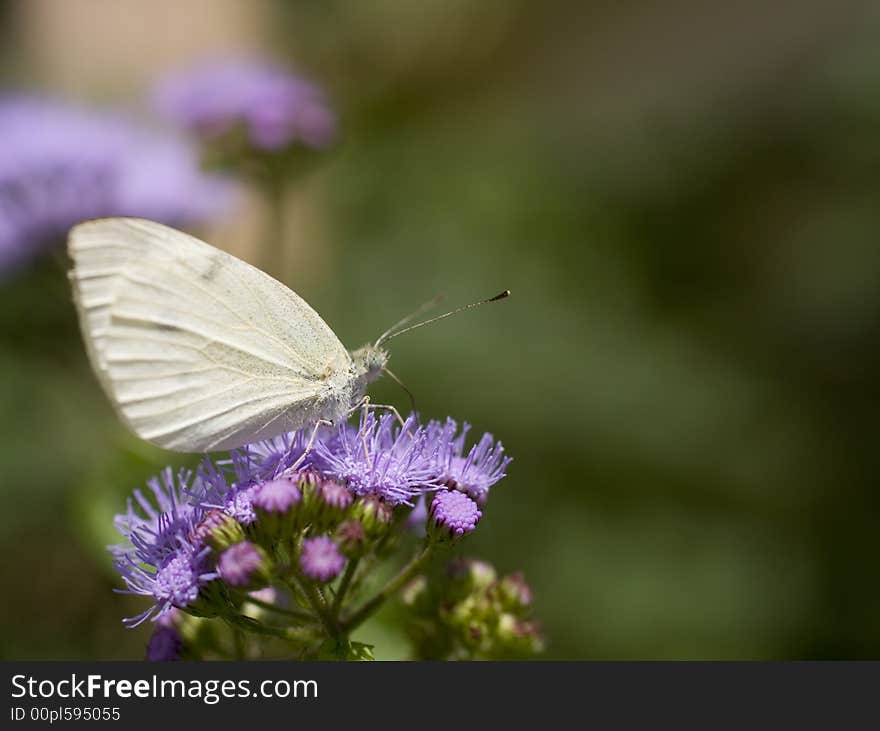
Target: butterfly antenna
[
  {"x": 500, "y": 296},
  {"x": 433, "y": 302},
  {"x": 412, "y": 399}
]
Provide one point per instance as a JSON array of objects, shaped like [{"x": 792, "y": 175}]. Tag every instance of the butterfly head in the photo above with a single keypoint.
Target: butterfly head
[{"x": 369, "y": 362}]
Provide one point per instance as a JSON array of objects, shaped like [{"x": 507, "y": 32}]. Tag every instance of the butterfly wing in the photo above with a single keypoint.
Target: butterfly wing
[{"x": 197, "y": 349}]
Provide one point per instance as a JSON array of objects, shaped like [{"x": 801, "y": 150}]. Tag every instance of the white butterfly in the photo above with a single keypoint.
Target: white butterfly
[{"x": 201, "y": 351}]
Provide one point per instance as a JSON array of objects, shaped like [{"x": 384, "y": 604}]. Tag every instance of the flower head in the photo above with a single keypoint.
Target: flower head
[
  {"x": 275, "y": 108},
  {"x": 61, "y": 164},
  {"x": 175, "y": 582},
  {"x": 276, "y": 496},
  {"x": 270, "y": 458},
  {"x": 321, "y": 559},
  {"x": 381, "y": 458},
  {"x": 244, "y": 565},
  {"x": 454, "y": 514},
  {"x": 217, "y": 493},
  {"x": 473, "y": 473}
]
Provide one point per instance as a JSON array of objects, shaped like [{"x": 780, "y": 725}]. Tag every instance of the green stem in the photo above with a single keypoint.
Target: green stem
[
  {"x": 343, "y": 586},
  {"x": 292, "y": 613},
  {"x": 249, "y": 624},
  {"x": 392, "y": 587},
  {"x": 320, "y": 607}
]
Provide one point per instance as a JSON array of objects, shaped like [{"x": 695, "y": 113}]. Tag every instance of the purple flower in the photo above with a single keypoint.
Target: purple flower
[
  {"x": 275, "y": 108},
  {"x": 240, "y": 504},
  {"x": 165, "y": 644},
  {"x": 171, "y": 537},
  {"x": 153, "y": 529},
  {"x": 178, "y": 578},
  {"x": 276, "y": 496},
  {"x": 269, "y": 458},
  {"x": 176, "y": 582},
  {"x": 454, "y": 513},
  {"x": 381, "y": 458},
  {"x": 216, "y": 492},
  {"x": 243, "y": 565},
  {"x": 61, "y": 164},
  {"x": 163, "y": 559},
  {"x": 320, "y": 559},
  {"x": 473, "y": 473}
]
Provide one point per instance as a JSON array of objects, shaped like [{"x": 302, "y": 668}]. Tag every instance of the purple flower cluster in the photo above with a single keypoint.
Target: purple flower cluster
[
  {"x": 61, "y": 164},
  {"x": 275, "y": 108},
  {"x": 190, "y": 535}
]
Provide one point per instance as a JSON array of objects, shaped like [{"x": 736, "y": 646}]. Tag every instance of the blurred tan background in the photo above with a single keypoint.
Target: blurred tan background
[{"x": 683, "y": 198}]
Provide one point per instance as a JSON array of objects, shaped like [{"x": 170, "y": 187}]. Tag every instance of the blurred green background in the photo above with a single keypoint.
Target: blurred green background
[{"x": 683, "y": 198}]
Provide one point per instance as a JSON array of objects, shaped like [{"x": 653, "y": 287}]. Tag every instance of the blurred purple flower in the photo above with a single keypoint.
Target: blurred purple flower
[
  {"x": 61, "y": 164},
  {"x": 415, "y": 521},
  {"x": 165, "y": 644},
  {"x": 275, "y": 107}
]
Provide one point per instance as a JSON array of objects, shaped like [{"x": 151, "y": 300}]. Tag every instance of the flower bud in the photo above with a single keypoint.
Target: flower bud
[
  {"x": 218, "y": 530},
  {"x": 351, "y": 538},
  {"x": 517, "y": 635},
  {"x": 514, "y": 592},
  {"x": 452, "y": 515},
  {"x": 276, "y": 505},
  {"x": 374, "y": 514},
  {"x": 245, "y": 566},
  {"x": 469, "y": 576},
  {"x": 320, "y": 559},
  {"x": 325, "y": 501},
  {"x": 334, "y": 499}
]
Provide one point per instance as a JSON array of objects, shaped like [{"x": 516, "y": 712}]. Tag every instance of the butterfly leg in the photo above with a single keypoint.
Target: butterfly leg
[
  {"x": 366, "y": 406},
  {"x": 299, "y": 460}
]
